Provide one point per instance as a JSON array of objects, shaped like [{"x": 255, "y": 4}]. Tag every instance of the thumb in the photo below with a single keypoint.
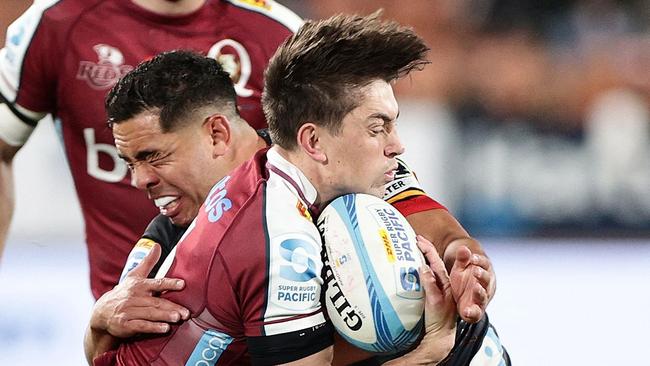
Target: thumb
[
  {"x": 463, "y": 256},
  {"x": 148, "y": 262}
]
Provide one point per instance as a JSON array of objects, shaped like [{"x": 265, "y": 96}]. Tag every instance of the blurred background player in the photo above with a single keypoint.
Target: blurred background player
[{"x": 61, "y": 57}]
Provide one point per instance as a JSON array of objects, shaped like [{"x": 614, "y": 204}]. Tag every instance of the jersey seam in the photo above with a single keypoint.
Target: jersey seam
[{"x": 219, "y": 254}]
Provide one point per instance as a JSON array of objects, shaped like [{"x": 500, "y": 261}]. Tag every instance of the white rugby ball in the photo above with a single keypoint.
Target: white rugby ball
[{"x": 373, "y": 292}]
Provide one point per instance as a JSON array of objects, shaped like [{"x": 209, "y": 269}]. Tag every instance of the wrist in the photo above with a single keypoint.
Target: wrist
[
  {"x": 437, "y": 344},
  {"x": 434, "y": 347}
]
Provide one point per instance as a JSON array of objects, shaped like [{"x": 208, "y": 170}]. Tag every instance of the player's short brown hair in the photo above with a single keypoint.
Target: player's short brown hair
[{"x": 316, "y": 75}]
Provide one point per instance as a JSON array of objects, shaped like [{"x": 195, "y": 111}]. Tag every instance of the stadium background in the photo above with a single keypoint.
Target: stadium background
[{"x": 531, "y": 125}]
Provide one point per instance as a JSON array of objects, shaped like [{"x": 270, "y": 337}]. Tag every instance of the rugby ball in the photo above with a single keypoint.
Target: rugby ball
[{"x": 373, "y": 293}]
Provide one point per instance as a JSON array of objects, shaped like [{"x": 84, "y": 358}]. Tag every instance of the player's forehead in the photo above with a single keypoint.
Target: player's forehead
[
  {"x": 376, "y": 101},
  {"x": 142, "y": 132}
]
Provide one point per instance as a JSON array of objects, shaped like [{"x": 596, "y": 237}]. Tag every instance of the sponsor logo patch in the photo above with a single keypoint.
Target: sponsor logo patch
[
  {"x": 303, "y": 211},
  {"x": 139, "y": 251},
  {"x": 387, "y": 245},
  {"x": 298, "y": 267},
  {"x": 257, "y": 3},
  {"x": 209, "y": 348}
]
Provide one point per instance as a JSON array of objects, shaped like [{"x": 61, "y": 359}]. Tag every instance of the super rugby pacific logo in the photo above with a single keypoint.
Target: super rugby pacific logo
[{"x": 104, "y": 73}]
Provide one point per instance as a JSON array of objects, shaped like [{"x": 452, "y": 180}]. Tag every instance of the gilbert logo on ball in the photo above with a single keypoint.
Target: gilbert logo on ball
[{"x": 373, "y": 293}]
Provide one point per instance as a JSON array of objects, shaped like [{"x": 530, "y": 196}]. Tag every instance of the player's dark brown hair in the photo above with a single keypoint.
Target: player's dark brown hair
[
  {"x": 174, "y": 85},
  {"x": 316, "y": 75}
]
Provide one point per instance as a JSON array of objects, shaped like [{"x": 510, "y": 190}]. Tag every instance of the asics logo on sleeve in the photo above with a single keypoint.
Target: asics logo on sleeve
[{"x": 217, "y": 202}]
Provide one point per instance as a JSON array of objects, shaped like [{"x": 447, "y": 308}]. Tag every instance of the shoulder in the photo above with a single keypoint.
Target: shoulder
[
  {"x": 271, "y": 10},
  {"x": 59, "y": 12},
  {"x": 51, "y": 18},
  {"x": 36, "y": 40}
]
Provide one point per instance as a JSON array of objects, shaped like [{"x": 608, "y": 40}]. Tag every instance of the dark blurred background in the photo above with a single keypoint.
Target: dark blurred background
[{"x": 533, "y": 117}]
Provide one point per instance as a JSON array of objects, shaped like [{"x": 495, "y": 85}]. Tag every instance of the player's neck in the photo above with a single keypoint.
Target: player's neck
[
  {"x": 315, "y": 172},
  {"x": 170, "y": 7},
  {"x": 246, "y": 142}
]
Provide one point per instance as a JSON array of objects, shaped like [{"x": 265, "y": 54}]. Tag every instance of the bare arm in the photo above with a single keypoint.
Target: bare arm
[
  {"x": 7, "y": 200},
  {"x": 472, "y": 276},
  {"x": 14, "y": 132}
]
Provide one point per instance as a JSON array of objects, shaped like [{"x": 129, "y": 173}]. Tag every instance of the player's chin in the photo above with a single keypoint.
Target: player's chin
[{"x": 182, "y": 219}]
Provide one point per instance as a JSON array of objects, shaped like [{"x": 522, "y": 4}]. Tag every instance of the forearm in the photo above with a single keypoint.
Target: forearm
[
  {"x": 434, "y": 347},
  {"x": 6, "y": 201},
  {"x": 97, "y": 342}
]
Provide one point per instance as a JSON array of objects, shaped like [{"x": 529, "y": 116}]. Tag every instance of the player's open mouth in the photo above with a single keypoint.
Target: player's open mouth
[{"x": 166, "y": 204}]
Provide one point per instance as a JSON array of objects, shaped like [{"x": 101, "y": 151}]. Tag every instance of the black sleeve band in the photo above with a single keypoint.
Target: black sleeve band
[
  {"x": 16, "y": 112},
  {"x": 283, "y": 348},
  {"x": 162, "y": 231}
]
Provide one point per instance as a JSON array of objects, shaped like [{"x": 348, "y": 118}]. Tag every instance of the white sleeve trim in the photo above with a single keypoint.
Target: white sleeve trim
[{"x": 13, "y": 130}]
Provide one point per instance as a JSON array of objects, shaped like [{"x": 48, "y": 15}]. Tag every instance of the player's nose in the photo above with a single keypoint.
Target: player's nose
[
  {"x": 394, "y": 145},
  {"x": 143, "y": 177}
]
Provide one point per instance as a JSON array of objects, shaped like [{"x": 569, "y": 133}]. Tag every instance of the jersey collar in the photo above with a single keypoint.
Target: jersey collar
[{"x": 294, "y": 176}]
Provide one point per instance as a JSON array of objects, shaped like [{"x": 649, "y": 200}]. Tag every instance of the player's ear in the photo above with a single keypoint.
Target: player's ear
[
  {"x": 217, "y": 127},
  {"x": 309, "y": 140}
]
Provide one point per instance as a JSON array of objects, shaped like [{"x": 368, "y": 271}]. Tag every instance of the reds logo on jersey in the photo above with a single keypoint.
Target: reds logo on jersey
[{"x": 107, "y": 71}]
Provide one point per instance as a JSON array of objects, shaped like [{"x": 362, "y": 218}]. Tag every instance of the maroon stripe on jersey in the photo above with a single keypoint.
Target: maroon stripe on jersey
[{"x": 313, "y": 209}]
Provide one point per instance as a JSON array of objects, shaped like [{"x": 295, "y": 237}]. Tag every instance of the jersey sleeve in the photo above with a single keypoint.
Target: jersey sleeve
[
  {"x": 279, "y": 297},
  {"x": 28, "y": 62},
  {"x": 27, "y": 73},
  {"x": 406, "y": 194}
]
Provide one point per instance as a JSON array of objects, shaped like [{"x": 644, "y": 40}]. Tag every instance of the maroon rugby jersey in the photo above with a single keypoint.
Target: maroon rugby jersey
[
  {"x": 62, "y": 57},
  {"x": 252, "y": 269}
]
